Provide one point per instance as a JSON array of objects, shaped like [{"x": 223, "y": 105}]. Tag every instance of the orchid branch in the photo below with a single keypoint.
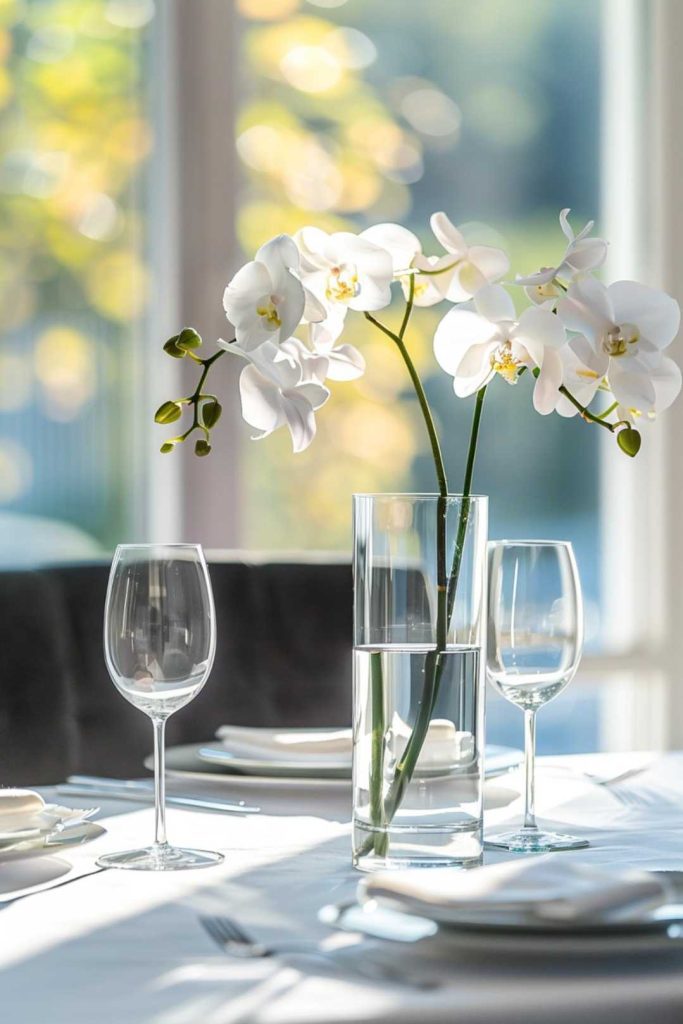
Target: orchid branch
[
  {"x": 206, "y": 409},
  {"x": 439, "y": 465}
]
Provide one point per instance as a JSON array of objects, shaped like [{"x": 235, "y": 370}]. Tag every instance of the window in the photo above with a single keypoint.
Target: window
[
  {"x": 75, "y": 141},
  {"x": 220, "y": 124}
]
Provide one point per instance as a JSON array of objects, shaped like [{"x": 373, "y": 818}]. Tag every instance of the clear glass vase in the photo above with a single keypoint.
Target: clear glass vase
[{"x": 418, "y": 720}]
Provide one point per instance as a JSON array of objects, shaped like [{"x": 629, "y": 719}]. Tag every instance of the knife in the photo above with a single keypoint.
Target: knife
[{"x": 141, "y": 792}]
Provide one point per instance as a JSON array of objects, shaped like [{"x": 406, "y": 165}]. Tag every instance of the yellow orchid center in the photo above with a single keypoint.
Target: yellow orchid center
[
  {"x": 420, "y": 288},
  {"x": 342, "y": 283},
  {"x": 546, "y": 291},
  {"x": 269, "y": 314},
  {"x": 619, "y": 339},
  {"x": 505, "y": 363}
]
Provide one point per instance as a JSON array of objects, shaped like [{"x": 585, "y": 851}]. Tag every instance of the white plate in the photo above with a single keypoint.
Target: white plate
[
  {"x": 52, "y": 814},
  {"x": 657, "y": 930},
  {"x": 497, "y": 760},
  {"x": 41, "y": 846},
  {"x": 183, "y": 762}
]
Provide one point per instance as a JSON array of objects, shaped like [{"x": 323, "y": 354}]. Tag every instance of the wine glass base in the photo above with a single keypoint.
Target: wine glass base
[
  {"x": 160, "y": 858},
  {"x": 534, "y": 841}
]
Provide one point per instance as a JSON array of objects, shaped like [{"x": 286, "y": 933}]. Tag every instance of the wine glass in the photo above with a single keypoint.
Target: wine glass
[
  {"x": 159, "y": 643},
  {"x": 535, "y": 637}
]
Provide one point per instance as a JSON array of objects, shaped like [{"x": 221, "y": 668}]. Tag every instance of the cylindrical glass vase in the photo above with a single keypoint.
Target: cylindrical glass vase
[{"x": 418, "y": 718}]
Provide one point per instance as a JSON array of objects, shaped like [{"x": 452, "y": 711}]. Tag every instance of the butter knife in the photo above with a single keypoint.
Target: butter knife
[{"x": 141, "y": 792}]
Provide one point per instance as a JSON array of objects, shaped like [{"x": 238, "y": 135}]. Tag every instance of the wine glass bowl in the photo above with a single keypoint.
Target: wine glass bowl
[
  {"x": 535, "y": 640},
  {"x": 159, "y": 643}
]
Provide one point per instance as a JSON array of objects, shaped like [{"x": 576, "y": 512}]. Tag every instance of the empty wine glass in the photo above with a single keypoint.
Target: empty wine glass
[
  {"x": 159, "y": 643},
  {"x": 535, "y": 637}
]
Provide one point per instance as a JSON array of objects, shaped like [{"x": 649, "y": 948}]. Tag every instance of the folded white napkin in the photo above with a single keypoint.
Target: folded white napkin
[
  {"x": 549, "y": 890},
  {"x": 323, "y": 745},
  {"x": 24, "y": 815},
  {"x": 443, "y": 748}
]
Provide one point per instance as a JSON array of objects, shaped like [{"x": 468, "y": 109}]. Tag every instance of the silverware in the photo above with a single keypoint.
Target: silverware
[
  {"x": 84, "y": 815},
  {"x": 140, "y": 792},
  {"x": 231, "y": 939}
]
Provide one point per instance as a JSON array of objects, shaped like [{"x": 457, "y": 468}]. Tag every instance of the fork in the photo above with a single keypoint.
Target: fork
[
  {"x": 640, "y": 797},
  {"x": 83, "y": 816},
  {"x": 233, "y": 940}
]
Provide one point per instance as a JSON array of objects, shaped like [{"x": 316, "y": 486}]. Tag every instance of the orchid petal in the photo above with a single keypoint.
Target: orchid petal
[
  {"x": 541, "y": 326},
  {"x": 249, "y": 285},
  {"x": 494, "y": 303},
  {"x": 447, "y": 234},
  {"x": 567, "y": 229},
  {"x": 345, "y": 363},
  {"x": 631, "y": 388},
  {"x": 279, "y": 255},
  {"x": 543, "y": 276},
  {"x": 261, "y": 401},
  {"x": 666, "y": 379},
  {"x": 401, "y": 244},
  {"x": 587, "y": 255},
  {"x": 547, "y": 387},
  {"x": 587, "y": 308},
  {"x": 491, "y": 262},
  {"x": 314, "y": 310},
  {"x": 324, "y": 334},
  {"x": 655, "y": 313},
  {"x": 458, "y": 331}
]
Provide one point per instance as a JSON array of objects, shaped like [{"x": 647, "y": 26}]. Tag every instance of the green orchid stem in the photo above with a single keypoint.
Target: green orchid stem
[
  {"x": 382, "y": 811},
  {"x": 591, "y": 417},
  {"x": 435, "y": 661},
  {"x": 422, "y": 400}
]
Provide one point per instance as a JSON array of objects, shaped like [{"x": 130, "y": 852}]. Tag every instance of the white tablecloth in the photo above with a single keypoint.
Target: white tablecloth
[{"x": 119, "y": 947}]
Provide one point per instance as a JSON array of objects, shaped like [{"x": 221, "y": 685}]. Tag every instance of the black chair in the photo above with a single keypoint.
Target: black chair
[{"x": 283, "y": 659}]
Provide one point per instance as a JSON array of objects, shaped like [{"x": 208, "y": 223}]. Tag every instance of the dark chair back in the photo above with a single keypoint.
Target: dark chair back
[{"x": 283, "y": 659}]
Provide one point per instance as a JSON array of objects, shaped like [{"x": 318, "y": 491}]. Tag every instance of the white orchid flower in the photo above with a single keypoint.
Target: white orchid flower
[
  {"x": 275, "y": 391},
  {"x": 325, "y": 361},
  {"x": 623, "y": 331},
  {"x": 344, "y": 271},
  {"x": 582, "y": 255},
  {"x": 265, "y": 301},
  {"x": 473, "y": 345},
  {"x": 470, "y": 267},
  {"x": 406, "y": 255},
  {"x": 456, "y": 275}
]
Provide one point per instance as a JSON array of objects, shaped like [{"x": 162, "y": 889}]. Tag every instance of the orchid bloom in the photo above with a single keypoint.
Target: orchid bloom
[
  {"x": 344, "y": 271},
  {"x": 582, "y": 255},
  {"x": 471, "y": 267},
  {"x": 406, "y": 255},
  {"x": 275, "y": 391},
  {"x": 265, "y": 301},
  {"x": 475, "y": 345},
  {"x": 624, "y": 329},
  {"x": 455, "y": 275}
]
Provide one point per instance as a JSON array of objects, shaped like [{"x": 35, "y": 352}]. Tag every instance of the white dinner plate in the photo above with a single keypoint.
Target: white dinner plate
[
  {"x": 53, "y": 843},
  {"x": 660, "y": 929},
  {"x": 497, "y": 760},
  {"x": 183, "y": 762}
]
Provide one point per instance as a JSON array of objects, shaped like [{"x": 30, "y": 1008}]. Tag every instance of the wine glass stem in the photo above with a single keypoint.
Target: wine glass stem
[
  {"x": 529, "y": 767},
  {"x": 159, "y": 782}
]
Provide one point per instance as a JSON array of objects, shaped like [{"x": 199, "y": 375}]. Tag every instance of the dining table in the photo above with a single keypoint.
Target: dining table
[{"x": 82, "y": 945}]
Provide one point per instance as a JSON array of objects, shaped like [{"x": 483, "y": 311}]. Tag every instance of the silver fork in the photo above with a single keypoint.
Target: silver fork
[
  {"x": 229, "y": 937},
  {"x": 233, "y": 940},
  {"x": 639, "y": 797},
  {"x": 83, "y": 816}
]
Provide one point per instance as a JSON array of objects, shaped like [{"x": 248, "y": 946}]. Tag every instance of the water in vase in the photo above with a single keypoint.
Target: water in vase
[{"x": 434, "y": 818}]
